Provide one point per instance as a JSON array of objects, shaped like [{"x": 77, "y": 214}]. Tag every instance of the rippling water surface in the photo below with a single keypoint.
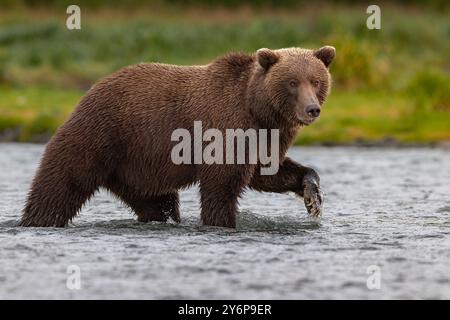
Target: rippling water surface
[{"x": 385, "y": 209}]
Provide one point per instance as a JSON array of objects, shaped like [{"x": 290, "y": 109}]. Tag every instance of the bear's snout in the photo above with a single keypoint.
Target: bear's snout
[
  {"x": 313, "y": 110},
  {"x": 307, "y": 114}
]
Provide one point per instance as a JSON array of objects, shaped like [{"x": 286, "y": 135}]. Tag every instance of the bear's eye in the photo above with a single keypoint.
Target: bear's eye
[
  {"x": 315, "y": 83},
  {"x": 293, "y": 83}
]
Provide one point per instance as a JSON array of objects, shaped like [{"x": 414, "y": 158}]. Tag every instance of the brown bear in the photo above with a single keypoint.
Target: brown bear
[{"x": 119, "y": 136}]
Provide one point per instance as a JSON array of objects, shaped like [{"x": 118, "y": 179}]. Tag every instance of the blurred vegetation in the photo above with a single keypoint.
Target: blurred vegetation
[
  {"x": 391, "y": 83},
  {"x": 208, "y": 3}
]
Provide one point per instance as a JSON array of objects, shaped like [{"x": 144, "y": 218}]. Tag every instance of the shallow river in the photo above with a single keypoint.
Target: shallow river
[{"x": 385, "y": 233}]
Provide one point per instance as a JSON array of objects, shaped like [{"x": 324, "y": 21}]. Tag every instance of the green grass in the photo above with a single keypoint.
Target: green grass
[
  {"x": 389, "y": 83},
  {"x": 346, "y": 117},
  {"x": 34, "y": 111},
  {"x": 373, "y": 117}
]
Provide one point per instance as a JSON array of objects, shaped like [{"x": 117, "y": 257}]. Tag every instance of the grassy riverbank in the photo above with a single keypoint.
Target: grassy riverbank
[{"x": 391, "y": 83}]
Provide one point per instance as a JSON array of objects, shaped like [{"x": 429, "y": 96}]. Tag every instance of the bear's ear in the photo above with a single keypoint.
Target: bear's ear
[
  {"x": 266, "y": 58},
  {"x": 325, "y": 54}
]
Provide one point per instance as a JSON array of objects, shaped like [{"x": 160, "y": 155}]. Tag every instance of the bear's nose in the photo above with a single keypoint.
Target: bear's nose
[{"x": 313, "y": 110}]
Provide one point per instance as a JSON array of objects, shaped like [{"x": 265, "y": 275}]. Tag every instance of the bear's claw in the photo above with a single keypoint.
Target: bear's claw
[{"x": 313, "y": 197}]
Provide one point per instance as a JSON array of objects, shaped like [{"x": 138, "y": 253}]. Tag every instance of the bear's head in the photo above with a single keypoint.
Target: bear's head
[{"x": 290, "y": 85}]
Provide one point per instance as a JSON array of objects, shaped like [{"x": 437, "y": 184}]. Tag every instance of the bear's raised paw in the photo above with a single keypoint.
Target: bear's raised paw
[{"x": 313, "y": 197}]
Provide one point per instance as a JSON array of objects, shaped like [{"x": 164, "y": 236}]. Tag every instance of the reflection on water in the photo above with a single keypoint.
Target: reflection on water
[{"x": 383, "y": 207}]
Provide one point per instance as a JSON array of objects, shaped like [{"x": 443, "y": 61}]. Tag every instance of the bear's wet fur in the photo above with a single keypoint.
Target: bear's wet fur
[{"x": 119, "y": 136}]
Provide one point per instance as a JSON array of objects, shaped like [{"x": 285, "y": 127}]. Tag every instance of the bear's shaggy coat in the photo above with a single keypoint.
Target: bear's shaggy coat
[{"x": 119, "y": 136}]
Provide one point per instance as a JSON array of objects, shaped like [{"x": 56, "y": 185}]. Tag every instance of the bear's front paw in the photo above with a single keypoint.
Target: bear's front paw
[{"x": 313, "y": 197}]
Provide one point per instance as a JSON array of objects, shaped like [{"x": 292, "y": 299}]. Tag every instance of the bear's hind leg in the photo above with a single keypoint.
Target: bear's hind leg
[
  {"x": 54, "y": 202},
  {"x": 149, "y": 208},
  {"x": 158, "y": 208}
]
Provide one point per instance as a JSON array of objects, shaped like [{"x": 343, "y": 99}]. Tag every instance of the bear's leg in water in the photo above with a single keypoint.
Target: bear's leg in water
[
  {"x": 219, "y": 195},
  {"x": 55, "y": 197},
  {"x": 158, "y": 208},
  {"x": 148, "y": 208}
]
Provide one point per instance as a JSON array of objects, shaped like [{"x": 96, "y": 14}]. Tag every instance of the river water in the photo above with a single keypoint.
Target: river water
[{"x": 384, "y": 234}]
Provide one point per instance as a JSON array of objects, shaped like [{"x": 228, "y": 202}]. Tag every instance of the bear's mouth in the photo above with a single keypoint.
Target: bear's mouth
[{"x": 304, "y": 122}]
